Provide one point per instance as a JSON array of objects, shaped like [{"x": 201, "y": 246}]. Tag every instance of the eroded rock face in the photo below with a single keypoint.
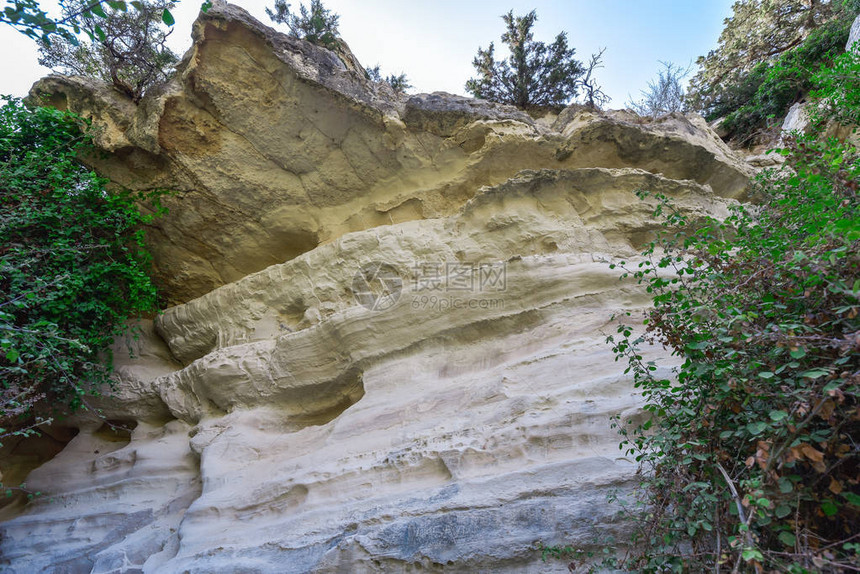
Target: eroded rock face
[
  {"x": 274, "y": 146},
  {"x": 388, "y": 353}
]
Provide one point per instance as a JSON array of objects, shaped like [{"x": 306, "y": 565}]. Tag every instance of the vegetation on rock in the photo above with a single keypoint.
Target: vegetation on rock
[
  {"x": 28, "y": 17},
  {"x": 751, "y": 454},
  {"x": 125, "y": 47},
  {"x": 73, "y": 267},
  {"x": 758, "y": 31},
  {"x": 664, "y": 95},
  {"x": 399, "y": 83},
  {"x": 314, "y": 23},
  {"x": 535, "y": 75},
  {"x": 768, "y": 54}
]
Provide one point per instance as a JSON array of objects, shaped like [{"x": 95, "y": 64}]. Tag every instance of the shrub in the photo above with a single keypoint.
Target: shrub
[
  {"x": 72, "y": 267},
  {"x": 751, "y": 453},
  {"x": 664, "y": 94},
  {"x": 126, "y": 47},
  {"x": 758, "y": 31},
  {"x": 785, "y": 81}
]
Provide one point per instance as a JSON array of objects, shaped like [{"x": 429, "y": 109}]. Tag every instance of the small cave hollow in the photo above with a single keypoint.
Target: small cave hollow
[{"x": 20, "y": 455}]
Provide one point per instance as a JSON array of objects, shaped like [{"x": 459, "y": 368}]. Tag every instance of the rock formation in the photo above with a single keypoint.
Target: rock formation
[
  {"x": 385, "y": 350},
  {"x": 854, "y": 35}
]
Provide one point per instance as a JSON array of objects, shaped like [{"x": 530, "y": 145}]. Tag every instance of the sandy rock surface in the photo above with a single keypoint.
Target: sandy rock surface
[{"x": 385, "y": 350}]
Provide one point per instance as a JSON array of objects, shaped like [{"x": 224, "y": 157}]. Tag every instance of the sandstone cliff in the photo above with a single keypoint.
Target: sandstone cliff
[{"x": 385, "y": 350}]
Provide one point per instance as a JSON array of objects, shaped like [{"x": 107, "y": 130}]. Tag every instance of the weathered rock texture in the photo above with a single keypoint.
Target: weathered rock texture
[
  {"x": 273, "y": 147},
  {"x": 281, "y": 426}
]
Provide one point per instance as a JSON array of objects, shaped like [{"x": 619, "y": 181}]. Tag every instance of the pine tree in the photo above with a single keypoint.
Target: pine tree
[{"x": 534, "y": 75}]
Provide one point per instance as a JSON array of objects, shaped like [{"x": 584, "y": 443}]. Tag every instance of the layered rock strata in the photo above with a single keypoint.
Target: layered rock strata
[
  {"x": 387, "y": 349},
  {"x": 272, "y": 146}
]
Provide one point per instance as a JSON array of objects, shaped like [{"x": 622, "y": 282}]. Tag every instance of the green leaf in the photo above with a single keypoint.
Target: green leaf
[
  {"x": 853, "y": 499},
  {"x": 777, "y": 415},
  {"x": 829, "y": 508},
  {"x": 814, "y": 373},
  {"x": 766, "y": 375},
  {"x": 98, "y": 10},
  {"x": 167, "y": 17},
  {"x": 787, "y": 538},
  {"x": 782, "y": 511},
  {"x": 751, "y": 554},
  {"x": 798, "y": 353},
  {"x": 756, "y": 428},
  {"x": 12, "y": 355}
]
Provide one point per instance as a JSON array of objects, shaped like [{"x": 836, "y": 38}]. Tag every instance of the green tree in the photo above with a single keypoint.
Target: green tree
[
  {"x": 533, "y": 75},
  {"x": 72, "y": 267},
  {"x": 750, "y": 452},
  {"x": 758, "y": 31},
  {"x": 769, "y": 90},
  {"x": 28, "y": 17},
  {"x": 399, "y": 83},
  {"x": 125, "y": 47},
  {"x": 315, "y": 23}
]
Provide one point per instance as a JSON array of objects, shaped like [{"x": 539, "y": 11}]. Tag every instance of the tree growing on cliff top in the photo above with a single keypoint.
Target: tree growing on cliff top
[
  {"x": 399, "y": 83},
  {"x": 126, "y": 47},
  {"x": 534, "y": 75},
  {"x": 315, "y": 23},
  {"x": 665, "y": 93}
]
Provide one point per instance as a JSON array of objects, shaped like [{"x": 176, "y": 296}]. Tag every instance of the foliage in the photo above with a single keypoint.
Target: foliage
[
  {"x": 28, "y": 17},
  {"x": 751, "y": 453},
  {"x": 315, "y": 23},
  {"x": 664, "y": 95},
  {"x": 534, "y": 75},
  {"x": 838, "y": 90},
  {"x": 398, "y": 83},
  {"x": 757, "y": 31},
  {"x": 72, "y": 267},
  {"x": 770, "y": 89},
  {"x": 126, "y": 47}
]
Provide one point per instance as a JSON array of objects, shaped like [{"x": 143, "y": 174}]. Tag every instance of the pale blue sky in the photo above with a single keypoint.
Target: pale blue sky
[{"x": 434, "y": 42}]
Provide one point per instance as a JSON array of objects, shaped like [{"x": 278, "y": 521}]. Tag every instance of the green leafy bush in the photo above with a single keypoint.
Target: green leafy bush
[
  {"x": 751, "y": 454},
  {"x": 839, "y": 91},
  {"x": 72, "y": 266},
  {"x": 764, "y": 95}
]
